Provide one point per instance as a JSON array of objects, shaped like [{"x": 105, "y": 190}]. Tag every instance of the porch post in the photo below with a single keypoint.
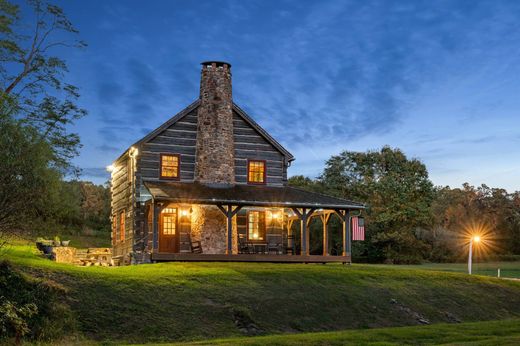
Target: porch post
[
  {"x": 344, "y": 215},
  {"x": 325, "y": 220},
  {"x": 229, "y": 212},
  {"x": 346, "y": 233},
  {"x": 155, "y": 226},
  {"x": 229, "y": 249},
  {"x": 304, "y": 218},
  {"x": 290, "y": 240},
  {"x": 304, "y": 232}
]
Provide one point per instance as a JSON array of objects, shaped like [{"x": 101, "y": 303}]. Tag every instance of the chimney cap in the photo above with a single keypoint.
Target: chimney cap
[{"x": 218, "y": 63}]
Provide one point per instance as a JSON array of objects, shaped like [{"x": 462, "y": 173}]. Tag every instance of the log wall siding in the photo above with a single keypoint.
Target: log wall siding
[
  {"x": 250, "y": 145},
  {"x": 181, "y": 137},
  {"x": 122, "y": 201}
]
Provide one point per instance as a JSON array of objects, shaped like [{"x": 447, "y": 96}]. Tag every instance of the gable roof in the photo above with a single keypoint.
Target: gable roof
[{"x": 237, "y": 109}]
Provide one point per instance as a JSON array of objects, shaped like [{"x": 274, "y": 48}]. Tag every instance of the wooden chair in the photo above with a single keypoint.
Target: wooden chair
[
  {"x": 245, "y": 247},
  {"x": 274, "y": 244},
  {"x": 196, "y": 246}
]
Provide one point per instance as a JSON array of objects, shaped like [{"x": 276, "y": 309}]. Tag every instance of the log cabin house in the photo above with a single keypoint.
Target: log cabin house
[{"x": 211, "y": 184}]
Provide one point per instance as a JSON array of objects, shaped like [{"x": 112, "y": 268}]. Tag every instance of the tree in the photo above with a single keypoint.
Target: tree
[
  {"x": 398, "y": 194},
  {"x": 36, "y": 109},
  {"x": 25, "y": 177},
  {"x": 495, "y": 211},
  {"x": 32, "y": 88}
]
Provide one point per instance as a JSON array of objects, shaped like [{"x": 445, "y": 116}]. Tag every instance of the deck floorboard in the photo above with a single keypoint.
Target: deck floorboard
[{"x": 190, "y": 257}]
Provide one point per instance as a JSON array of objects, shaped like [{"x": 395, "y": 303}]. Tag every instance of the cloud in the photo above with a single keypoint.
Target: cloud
[{"x": 95, "y": 172}]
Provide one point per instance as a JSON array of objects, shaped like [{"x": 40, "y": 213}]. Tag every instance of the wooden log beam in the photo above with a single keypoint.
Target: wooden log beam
[
  {"x": 229, "y": 213},
  {"x": 344, "y": 215},
  {"x": 325, "y": 220},
  {"x": 155, "y": 226},
  {"x": 304, "y": 217}
]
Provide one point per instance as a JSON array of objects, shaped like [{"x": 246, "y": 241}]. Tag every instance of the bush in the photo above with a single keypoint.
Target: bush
[
  {"x": 32, "y": 308},
  {"x": 14, "y": 319}
]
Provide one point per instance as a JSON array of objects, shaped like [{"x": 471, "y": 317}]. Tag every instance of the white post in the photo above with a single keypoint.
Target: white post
[
  {"x": 498, "y": 272},
  {"x": 470, "y": 254}
]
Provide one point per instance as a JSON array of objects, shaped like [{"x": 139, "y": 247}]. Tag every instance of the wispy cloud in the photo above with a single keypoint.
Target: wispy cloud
[{"x": 436, "y": 78}]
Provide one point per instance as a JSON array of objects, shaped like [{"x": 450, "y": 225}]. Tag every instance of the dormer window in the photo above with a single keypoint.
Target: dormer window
[
  {"x": 256, "y": 172},
  {"x": 170, "y": 164}
]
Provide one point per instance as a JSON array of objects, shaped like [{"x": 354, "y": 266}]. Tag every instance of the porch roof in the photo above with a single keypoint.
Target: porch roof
[{"x": 245, "y": 195}]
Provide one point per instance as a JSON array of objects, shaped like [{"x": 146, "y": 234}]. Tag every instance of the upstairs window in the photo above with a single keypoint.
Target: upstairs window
[
  {"x": 122, "y": 217},
  {"x": 256, "y": 172},
  {"x": 256, "y": 225},
  {"x": 170, "y": 166}
]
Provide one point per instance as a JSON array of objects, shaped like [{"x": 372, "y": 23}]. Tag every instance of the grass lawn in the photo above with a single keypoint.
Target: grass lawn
[
  {"x": 170, "y": 302},
  {"x": 507, "y": 269},
  {"x": 505, "y": 332}
]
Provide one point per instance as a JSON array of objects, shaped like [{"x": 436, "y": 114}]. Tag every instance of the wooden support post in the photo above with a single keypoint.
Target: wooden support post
[
  {"x": 229, "y": 212},
  {"x": 304, "y": 218},
  {"x": 347, "y": 240},
  {"x": 290, "y": 239},
  {"x": 325, "y": 220},
  {"x": 155, "y": 226}
]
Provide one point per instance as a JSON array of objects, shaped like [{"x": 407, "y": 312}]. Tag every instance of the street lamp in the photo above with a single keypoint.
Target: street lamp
[{"x": 474, "y": 239}]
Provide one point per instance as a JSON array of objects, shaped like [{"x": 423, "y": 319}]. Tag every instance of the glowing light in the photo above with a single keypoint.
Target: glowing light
[
  {"x": 133, "y": 152},
  {"x": 276, "y": 215},
  {"x": 110, "y": 168},
  {"x": 184, "y": 212},
  {"x": 476, "y": 239}
]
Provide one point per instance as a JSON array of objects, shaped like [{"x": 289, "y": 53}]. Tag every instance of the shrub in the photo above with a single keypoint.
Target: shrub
[{"x": 35, "y": 307}]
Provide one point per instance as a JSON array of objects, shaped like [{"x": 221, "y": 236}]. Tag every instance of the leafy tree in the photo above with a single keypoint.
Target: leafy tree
[
  {"x": 31, "y": 77},
  {"x": 304, "y": 183},
  {"x": 493, "y": 211},
  {"x": 36, "y": 110},
  {"x": 25, "y": 177},
  {"x": 398, "y": 194}
]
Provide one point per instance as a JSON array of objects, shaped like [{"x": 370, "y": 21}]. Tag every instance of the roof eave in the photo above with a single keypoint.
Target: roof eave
[{"x": 257, "y": 203}]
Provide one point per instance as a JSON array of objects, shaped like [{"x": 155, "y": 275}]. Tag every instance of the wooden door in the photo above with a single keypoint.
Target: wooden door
[{"x": 168, "y": 230}]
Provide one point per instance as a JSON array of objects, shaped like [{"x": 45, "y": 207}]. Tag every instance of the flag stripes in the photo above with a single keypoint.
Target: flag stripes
[{"x": 358, "y": 228}]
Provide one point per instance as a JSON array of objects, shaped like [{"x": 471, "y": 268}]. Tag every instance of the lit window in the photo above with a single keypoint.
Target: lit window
[
  {"x": 169, "y": 216},
  {"x": 122, "y": 226},
  {"x": 170, "y": 166},
  {"x": 256, "y": 226},
  {"x": 256, "y": 172}
]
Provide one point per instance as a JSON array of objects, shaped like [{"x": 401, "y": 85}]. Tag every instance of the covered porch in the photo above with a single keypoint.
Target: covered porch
[{"x": 243, "y": 223}]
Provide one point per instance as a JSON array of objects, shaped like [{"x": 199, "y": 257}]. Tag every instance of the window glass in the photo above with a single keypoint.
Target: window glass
[
  {"x": 256, "y": 226},
  {"x": 169, "y": 221},
  {"x": 169, "y": 166},
  {"x": 256, "y": 172}
]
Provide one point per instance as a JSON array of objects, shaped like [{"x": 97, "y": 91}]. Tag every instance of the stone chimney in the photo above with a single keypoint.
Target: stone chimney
[{"x": 215, "y": 148}]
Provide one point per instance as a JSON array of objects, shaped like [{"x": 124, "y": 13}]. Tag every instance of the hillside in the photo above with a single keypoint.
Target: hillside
[
  {"x": 190, "y": 301},
  {"x": 506, "y": 332}
]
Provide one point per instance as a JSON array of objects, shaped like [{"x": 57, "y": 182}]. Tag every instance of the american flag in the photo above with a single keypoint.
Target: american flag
[{"x": 358, "y": 228}]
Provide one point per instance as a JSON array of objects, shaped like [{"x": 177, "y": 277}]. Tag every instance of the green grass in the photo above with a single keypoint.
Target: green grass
[
  {"x": 195, "y": 301},
  {"x": 507, "y": 269},
  {"x": 505, "y": 332}
]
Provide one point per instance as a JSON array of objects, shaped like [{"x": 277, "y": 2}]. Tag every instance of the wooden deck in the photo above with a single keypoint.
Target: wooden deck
[{"x": 191, "y": 257}]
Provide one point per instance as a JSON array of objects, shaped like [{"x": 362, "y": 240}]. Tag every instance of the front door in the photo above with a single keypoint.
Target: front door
[{"x": 168, "y": 230}]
